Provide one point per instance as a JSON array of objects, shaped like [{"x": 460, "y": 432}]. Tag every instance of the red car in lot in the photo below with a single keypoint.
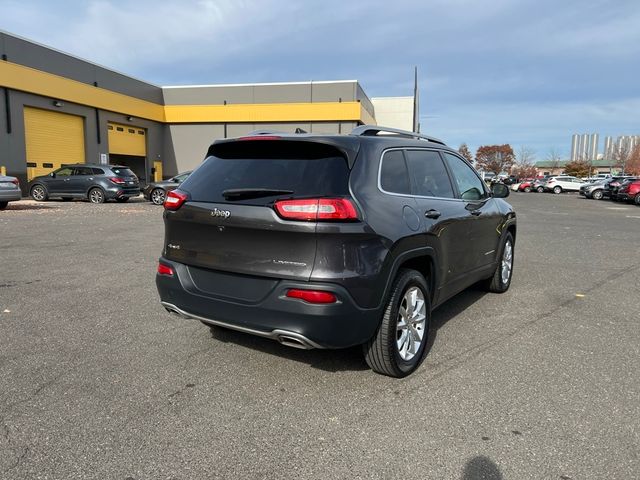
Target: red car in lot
[
  {"x": 526, "y": 185},
  {"x": 630, "y": 192}
]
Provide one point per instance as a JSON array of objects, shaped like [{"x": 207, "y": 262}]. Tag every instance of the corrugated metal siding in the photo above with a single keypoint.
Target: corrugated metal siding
[
  {"x": 127, "y": 140},
  {"x": 52, "y": 139}
]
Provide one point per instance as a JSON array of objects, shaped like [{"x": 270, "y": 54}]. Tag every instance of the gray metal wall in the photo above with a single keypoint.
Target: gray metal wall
[
  {"x": 186, "y": 145},
  {"x": 24, "y": 52},
  {"x": 347, "y": 91}
]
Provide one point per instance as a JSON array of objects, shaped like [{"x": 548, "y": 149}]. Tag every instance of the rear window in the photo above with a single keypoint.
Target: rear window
[
  {"x": 123, "y": 172},
  {"x": 305, "y": 168}
]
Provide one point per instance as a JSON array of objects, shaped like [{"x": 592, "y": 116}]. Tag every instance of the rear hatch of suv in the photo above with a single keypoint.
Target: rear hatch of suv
[{"x": 252, "y": 209}]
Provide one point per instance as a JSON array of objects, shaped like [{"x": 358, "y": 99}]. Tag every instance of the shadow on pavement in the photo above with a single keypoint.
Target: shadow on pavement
[
  {"x": 20, "y": 206},
  {"x": 348, "y": 359},
  {"x": 481, "y": 468},
  {"x": 452, "y": 308}
]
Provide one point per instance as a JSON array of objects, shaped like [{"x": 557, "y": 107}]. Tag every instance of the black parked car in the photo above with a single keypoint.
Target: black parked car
[
  {"x": 330, "y": 241},
  {"x": 157, "y": 191},
  {"x": 96, "y": 183}
]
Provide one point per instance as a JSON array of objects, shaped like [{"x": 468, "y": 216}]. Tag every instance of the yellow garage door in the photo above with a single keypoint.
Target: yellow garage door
[
  {"x": 52, "y": 139},
  {"x": 127, "y": 140}
]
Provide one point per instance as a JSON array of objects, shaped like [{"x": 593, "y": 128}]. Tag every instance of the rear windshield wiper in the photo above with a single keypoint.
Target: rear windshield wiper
[{"x": 238, "y": 193}]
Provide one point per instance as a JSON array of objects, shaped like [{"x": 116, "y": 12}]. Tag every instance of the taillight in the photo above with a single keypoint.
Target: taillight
[
  {"x": 165, "y": 270},
  {"x": 260, "y": 137},
  {"x": 313, "y": 209},
  {"x": 16, "y": 182},
  {"x": 312, "y": 296},
  {"x": 117, "y": 180},
  {"x": 174, "y": 200}
]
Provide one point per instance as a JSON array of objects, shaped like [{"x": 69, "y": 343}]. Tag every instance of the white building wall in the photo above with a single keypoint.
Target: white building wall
[{"x": 395, "y": 112}]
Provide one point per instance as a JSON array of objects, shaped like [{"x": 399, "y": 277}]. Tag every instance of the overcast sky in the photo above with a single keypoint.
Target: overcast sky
[{"x": 496, "y": 71}]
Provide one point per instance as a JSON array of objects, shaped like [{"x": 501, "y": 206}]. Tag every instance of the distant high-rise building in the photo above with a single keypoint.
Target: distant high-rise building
[{"x": 585, "y": 146}]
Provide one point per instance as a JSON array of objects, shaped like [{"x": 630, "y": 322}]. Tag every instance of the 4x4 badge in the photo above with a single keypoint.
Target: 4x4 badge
[{"x": 220, "y": 213}]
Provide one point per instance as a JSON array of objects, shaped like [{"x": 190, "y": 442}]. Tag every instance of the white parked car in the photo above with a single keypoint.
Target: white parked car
[{"x": 563, "y": 183}]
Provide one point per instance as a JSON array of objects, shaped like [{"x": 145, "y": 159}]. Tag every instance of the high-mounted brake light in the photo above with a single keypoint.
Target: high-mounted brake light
[
  {"x": 117, "y": 180},
  {"x": 174, "y": 200},
  {"x": 165, "y": 270},
  {"x": 313, "y": 209},
  {"x": 260, "y": 137},
  {"x": 312, "y": 296}
]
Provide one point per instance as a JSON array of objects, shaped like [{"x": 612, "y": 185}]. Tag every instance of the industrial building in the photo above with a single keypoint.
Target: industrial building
[{"x": 58, "y": 109}]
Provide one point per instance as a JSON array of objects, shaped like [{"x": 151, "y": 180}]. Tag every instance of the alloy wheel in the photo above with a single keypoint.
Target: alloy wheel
[
  {"x": 157, "y": 196},
  {"x": 412, "y": 317},
  {"x": 507, "y": 263}
]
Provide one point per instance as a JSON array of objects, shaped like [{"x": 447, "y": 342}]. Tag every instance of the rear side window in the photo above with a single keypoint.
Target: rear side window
[
  {"x": 97, "y": 171},
  {"x": 429, "y": 177},
  {"x": 394, "y": 177},
  {"x": 306, "y": 169},
  {"x": 123, "y": 172}
]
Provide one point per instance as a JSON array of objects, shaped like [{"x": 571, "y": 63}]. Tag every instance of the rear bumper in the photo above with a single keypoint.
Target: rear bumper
[
  {"x": 122, "y": 192},
  {"x": 293, "y": 322},
  {"x": 10, "y": 195}
]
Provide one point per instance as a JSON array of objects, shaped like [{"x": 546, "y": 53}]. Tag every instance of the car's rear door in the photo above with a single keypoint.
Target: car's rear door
[{"x": 230, "y": 221}]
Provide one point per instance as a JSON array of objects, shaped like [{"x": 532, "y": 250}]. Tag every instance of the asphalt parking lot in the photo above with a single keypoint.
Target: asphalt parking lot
[{"x": 98, "y": 381}]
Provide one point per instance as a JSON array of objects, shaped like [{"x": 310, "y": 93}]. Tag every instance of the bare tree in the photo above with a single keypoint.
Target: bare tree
[
  {"x": 554, "y": 158},
  {"x": 620, "y": 157},
  {"x": 525, "y": 163},
  {"x": 526, "y": 156}
]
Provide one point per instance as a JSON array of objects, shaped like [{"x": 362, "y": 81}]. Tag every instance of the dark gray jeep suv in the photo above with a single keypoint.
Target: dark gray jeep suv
[
  {"x": 96, "y": 183},
  {"x": 330, "y": 241}
]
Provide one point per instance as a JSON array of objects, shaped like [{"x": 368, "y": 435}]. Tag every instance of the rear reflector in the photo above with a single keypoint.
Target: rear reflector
[
  {"x": 165, "y": 270},
  {"x": 312, "y": 296},
  {"x": 313, "y": 209},
  {"x": 175, "y": 199}
]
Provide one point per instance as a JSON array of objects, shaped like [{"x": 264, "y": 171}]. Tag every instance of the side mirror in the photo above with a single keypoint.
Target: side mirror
[
  {"x": 52, "y": 175},
  {"x": 500, "y": 190}
]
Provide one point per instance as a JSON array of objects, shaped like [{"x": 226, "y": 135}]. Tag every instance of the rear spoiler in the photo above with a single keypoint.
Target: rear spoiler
[{"x": 348, "y": 146}]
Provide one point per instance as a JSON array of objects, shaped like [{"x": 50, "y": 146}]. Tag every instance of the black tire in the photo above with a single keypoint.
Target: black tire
[
  {"x": 39, "y": 193},
  {"x": 122, "y": 199},
  {"x": 540, "y": 189},
  {"x": 527, "y": 189},
  {"x": 157, "y": 196},
  {"x": 382, "y": 352},
  {"x": 3, "y": 205},
  {"x": 597, "y": 194},
  {"x": 557, "y": 189},
  {"x": 495, "y": 283},
  {"x": 637, "y": 199},
  {"x": 96, "y": 195}
]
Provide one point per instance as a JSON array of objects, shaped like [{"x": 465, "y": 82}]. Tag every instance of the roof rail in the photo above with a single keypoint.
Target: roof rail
[
  {"x": 373, "y": 130},
  {"x": 275, "y": 132}
]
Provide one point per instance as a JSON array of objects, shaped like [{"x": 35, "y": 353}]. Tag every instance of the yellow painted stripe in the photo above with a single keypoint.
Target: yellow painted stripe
[
  {"x": 26, "y": 79},
  {"x": 270, "y": 112}
]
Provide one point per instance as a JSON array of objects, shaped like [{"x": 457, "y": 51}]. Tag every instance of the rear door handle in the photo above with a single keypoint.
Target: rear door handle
[{"x": 432, "y": 214}]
